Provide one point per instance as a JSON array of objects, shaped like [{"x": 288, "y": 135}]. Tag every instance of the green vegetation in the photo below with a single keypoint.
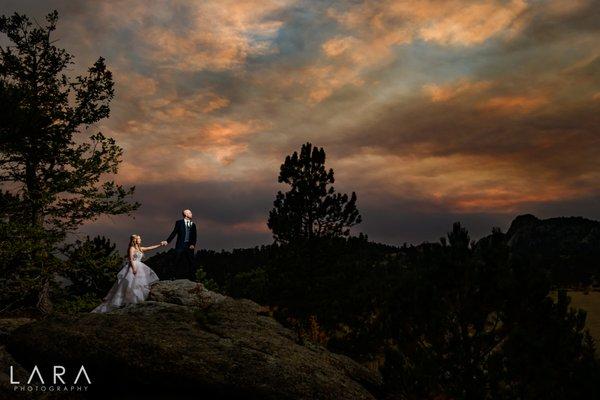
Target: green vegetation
[
  {"x": 53, "y": 169},
  {"x": 203, "y": 279}
]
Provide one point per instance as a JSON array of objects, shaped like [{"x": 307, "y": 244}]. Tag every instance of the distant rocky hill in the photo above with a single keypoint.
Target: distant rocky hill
[
  {"x": 569, "y": 247},
  {"x": 187, "y": 339},
  {"x": 569, "y": 232}
]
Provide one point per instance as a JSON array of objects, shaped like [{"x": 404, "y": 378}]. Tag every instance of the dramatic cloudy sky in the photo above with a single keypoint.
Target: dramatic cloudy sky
[{"x": 432, "y": 111}]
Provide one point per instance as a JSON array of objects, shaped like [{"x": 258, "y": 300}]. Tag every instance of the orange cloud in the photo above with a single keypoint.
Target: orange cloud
[
  {"x": 216, "y": 103},
  {"x": 450, "y": 22},
  {"x": 471, "y": 23},
  {"x": 338, "y": 45},
  {"x": 131, "y": 84},
  {"x": 160, "y": 163},
  {"x": 170, "y": 131},
  {"x": 205, "y": 93},
  {"x": 347, "y": 59},
  {"x": 377, "y": 27},
  {"x": 521, "y": 104},
  {"x": 321, "y": 80},
  {"x": 221, "y": 36},
  {"x": 221, "y": 140},
  {"x": 457, "y": 182},
  {"x": 441, "y": 93}
]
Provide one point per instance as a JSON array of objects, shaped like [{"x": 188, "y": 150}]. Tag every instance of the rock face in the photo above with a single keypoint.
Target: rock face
[
  {"x": 567, "y": 247},
  {"x": 186, "y": 339},
  {"x": 563, "y": 240},
  {"x": 566, "y": 233}
]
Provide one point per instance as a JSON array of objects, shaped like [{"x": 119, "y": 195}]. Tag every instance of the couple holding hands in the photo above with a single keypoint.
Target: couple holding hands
[{"x": 134, "y": 279}]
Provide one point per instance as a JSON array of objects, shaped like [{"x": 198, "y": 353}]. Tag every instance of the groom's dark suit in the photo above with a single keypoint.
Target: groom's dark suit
[
  {"x": 186, "y": 235},
  {"x": 184, "y": 259}
]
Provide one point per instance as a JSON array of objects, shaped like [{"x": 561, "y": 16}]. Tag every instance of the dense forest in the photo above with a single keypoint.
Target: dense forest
[{"x": 457, "y": 318}]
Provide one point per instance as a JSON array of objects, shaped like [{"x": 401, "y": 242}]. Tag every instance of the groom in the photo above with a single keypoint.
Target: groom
[{"x": 185, "y": 230}]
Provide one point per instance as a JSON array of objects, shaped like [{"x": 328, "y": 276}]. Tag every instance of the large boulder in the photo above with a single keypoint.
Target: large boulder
[
  {"x": 187, "y": 339},
  {"x": 184, "y": 292}
]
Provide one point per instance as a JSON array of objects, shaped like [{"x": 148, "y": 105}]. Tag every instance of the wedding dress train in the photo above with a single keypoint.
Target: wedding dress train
[{"x": 129, "y": 288}]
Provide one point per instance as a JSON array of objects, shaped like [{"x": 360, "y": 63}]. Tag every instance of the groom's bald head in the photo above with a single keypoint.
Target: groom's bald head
[{"x": 187, "y": 213}]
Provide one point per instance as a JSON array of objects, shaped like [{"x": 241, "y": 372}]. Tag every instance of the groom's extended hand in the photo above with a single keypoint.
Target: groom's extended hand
[
  {"x": 191, "y": 247},
  {"x": 163, "y": 243}
]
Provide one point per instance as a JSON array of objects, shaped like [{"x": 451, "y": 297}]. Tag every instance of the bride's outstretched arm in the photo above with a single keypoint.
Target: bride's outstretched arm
[{"x": 156, "y": 246}]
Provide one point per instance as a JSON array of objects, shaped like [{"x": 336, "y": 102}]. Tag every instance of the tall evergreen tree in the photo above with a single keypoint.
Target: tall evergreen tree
[
  {"x": 51, "y": 167},
  {"x": 311, "y": 208}
]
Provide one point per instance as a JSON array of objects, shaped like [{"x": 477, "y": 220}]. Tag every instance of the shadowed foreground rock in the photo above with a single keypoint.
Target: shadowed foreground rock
[{"x": 188, "y": 339}]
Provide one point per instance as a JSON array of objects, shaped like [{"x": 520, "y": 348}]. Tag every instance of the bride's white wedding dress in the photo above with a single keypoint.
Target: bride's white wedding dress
[{"x": 129, "y": 288}]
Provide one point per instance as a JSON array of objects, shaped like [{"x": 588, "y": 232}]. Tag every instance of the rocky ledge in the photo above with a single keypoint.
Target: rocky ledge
[{"x": 187, "y": 339}]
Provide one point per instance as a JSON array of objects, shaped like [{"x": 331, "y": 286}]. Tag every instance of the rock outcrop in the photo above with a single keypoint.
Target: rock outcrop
[
  {"x": 567, "y": 247},
  {"x": 186, "y": 339},
  {"x": 569, "y": 234},
  {"x": 185, "y": 293}
]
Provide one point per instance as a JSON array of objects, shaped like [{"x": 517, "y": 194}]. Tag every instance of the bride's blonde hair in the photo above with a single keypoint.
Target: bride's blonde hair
[{"x": 133, "y": 243}]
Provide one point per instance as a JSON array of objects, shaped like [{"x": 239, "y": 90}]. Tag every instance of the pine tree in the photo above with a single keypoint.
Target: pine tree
[
  {"x": 311, "y": 208},
  {"x": 52, "y": 169}
]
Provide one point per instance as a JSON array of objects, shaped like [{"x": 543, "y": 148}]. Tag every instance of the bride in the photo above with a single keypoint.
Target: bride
[{"x": 133, "y": 280}]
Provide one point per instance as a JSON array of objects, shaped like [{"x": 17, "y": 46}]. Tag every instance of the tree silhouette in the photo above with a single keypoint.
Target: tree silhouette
[
  {"x": 49, "y": 163},
  {"x": 52, "y": 169},
  {"x": 311, "y": 208}
]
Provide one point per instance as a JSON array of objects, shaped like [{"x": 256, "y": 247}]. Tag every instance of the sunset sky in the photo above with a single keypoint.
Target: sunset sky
[{"x": 432, "y": 111}]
